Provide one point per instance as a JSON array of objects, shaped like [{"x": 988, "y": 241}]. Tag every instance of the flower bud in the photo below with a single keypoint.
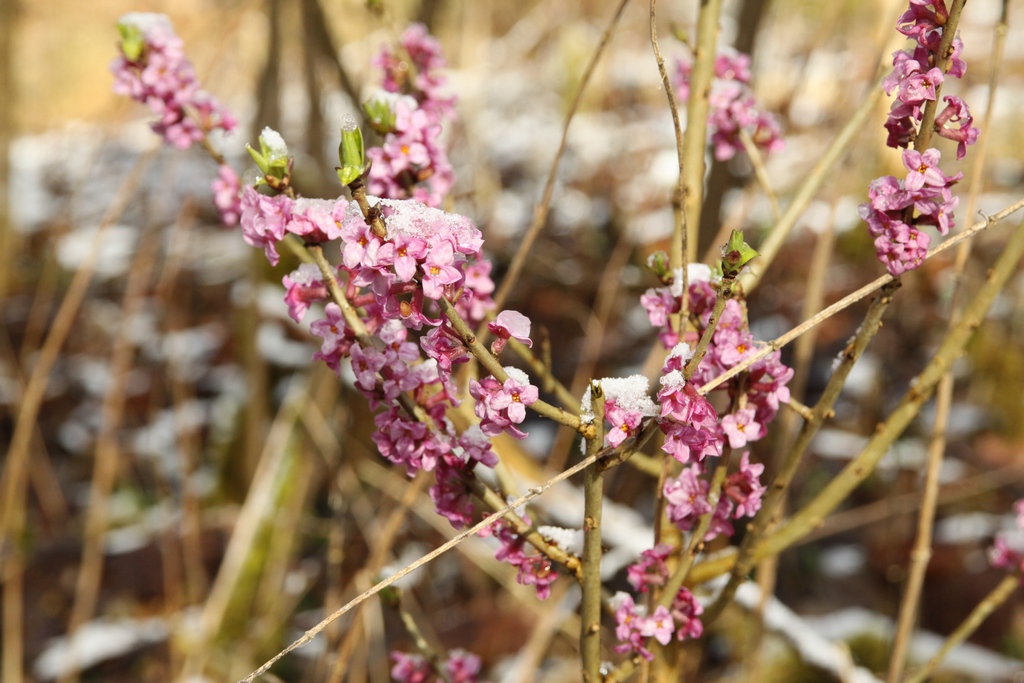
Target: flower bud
[
  {"x": 133, "y": 41},
  {"x": 351, "y": 152},
  {"x": 659, "y": 264},
  {"x": 272, "y": 159},
  {"x": 380, "y": 112},
  {"x": 736, "y": 254}
]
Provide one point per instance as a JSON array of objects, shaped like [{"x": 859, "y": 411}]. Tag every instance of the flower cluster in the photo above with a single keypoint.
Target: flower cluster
[
  {"x": 152, "y": 69},
  {"x": 626, "y": 404},
  {"x": 691, "y": 425},
  {"x": 633, "y": 626},
  {"x": 395, "y": 279},
  {"x": 652, "y": 571},
  {"x": 408, "y": 112},
  {"x": 895, "y": 209},
  {"x": 686, "y": 498},
  {"x": 460, "y": 667},
  {"x": 1007, "y": 551},
  {"x": 534, "y": 569},
  {"x": 267, "y": 219},
  {"x": 502, "y": 405},
  {"x": 916, "y": 79},
  {"x": 732, "y": 107}
]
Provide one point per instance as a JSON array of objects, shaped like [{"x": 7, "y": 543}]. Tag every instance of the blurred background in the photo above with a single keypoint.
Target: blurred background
[{"x": 194, "y": 493}]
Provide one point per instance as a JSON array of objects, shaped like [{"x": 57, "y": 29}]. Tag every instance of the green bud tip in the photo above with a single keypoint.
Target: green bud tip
[
  {"x": 736, "y": 254},
  {"x": 351, "y": 152}
]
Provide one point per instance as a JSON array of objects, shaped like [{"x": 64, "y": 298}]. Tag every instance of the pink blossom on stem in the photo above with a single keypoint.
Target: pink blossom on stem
[
  {"x": 630, "y": 622},
  {"x": 227, "y": 189},
  {"x": 732, "y": 106},
  {"x": 740, "y": 427},
  {"x": 744, "y": 487},
  {"x": 303, "y": 286},
  {"x": 313, "y": 219},
  {"x": 337, "y": 338},
  {"x": 264, "y": 220},
  {"x": 509, "y": 325},
  {"x": 501, "y": 406},
  {"x": 685, "y": 612},
  {"x": 158, "y": 75},
  {"x": 651, "y": 570},
  {"x": 410, "y": 668}
]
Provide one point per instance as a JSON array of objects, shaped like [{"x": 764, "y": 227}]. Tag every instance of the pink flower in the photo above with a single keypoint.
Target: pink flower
[
  {"x": 303, "y": 286},
  {"x": 629, "y": 624},
  {"x": 263, "y": 221},
  {"x": 740, "y": 428},
  {"x": 336, "y": 336},
  {"x": 313, "y": 219},
  {"x": 509, "y": 325},
  {"x": 744, "y": 487},
  {"x": 451, "y": 496},
  {"x": 501, "y": 406},
  {"x": 651, "y": 570},
  {"x": 410, "y": 668},
  {"x": 659, "y": 625},
  {"x": 624, "y": 423},
  {"x": 687, "y": 499},
  {"x": 227, "y": 190},
  {"x": 732, "y": 107},
  {"x": 685, "y": 610},
  {"x": 462, "y": 667},
  {"x": 439, "y": 270}
]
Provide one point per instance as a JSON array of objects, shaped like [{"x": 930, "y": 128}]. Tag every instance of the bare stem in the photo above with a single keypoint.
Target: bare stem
[
  {"x": 695, "y": 140},
  {"x": 678, "y": 249},
  {"x": 724, "y": 294},
  {"x": 504, "y": 512},
  {"x": 761, "y": 173},
  {"x": 590, "y": 582},
  {"x": 822, "y": 171},
  {"x": 920, "y": 390},
  {"x": 981, "y": 611}
]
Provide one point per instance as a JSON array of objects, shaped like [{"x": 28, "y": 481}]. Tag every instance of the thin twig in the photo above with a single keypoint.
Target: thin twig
[
  {"x": 590, "y": 582},
  {"x": 705, "y": 49},
  {"x": 760, "y": 172},
  {"x": 769, "y": 248},
  {"x": 437, "y": 552},
  {"x": 724, "y": 294},
  {"x": 981, "y": 611},
  {"x": 540, "y": 213},
  {"x": 679, "y": 248}
]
